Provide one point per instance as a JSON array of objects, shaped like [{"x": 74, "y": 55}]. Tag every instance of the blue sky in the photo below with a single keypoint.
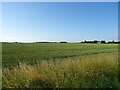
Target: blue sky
[{"x": 59, "y": 21}]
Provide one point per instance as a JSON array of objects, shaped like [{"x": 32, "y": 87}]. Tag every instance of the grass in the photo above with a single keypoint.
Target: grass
[
  {"x": 60, "y": 65},
  {"x": 94, "y": 71},
  {"x": 30, "y": 53}
]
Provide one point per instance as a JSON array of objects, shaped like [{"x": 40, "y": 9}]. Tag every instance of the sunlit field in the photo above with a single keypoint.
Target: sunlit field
[{"x": 60, "y": 65}]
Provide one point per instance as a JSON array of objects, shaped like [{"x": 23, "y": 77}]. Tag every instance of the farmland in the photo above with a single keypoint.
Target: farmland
[{"x": 60, "y": 65}]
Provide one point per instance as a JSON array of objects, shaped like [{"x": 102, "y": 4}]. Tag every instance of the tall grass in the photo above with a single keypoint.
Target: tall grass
[{"x": 94, "y": 71}]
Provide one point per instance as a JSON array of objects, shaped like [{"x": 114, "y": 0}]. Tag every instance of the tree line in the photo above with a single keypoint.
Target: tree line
[{"x": 95, "y": 41}]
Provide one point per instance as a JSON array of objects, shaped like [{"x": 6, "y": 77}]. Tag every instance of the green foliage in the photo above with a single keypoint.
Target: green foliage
[
  {"x": 60, "y": 65},
  {"x": 95, "y": 71},
  {"x": 31, "y": 53}
]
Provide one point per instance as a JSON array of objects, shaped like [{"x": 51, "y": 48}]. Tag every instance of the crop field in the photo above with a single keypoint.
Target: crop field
[{"x": 60, "y": 65}]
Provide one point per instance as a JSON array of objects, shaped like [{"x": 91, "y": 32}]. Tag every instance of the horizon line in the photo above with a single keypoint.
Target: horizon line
[{"x": 60, "y": 41}]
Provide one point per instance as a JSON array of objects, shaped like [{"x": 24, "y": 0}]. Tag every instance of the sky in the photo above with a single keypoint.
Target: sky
[{"x": 59, "y": 21}]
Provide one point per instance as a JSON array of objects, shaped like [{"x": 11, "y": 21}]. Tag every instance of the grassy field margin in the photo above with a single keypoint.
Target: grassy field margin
[{"x": 94, "y": 71}]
